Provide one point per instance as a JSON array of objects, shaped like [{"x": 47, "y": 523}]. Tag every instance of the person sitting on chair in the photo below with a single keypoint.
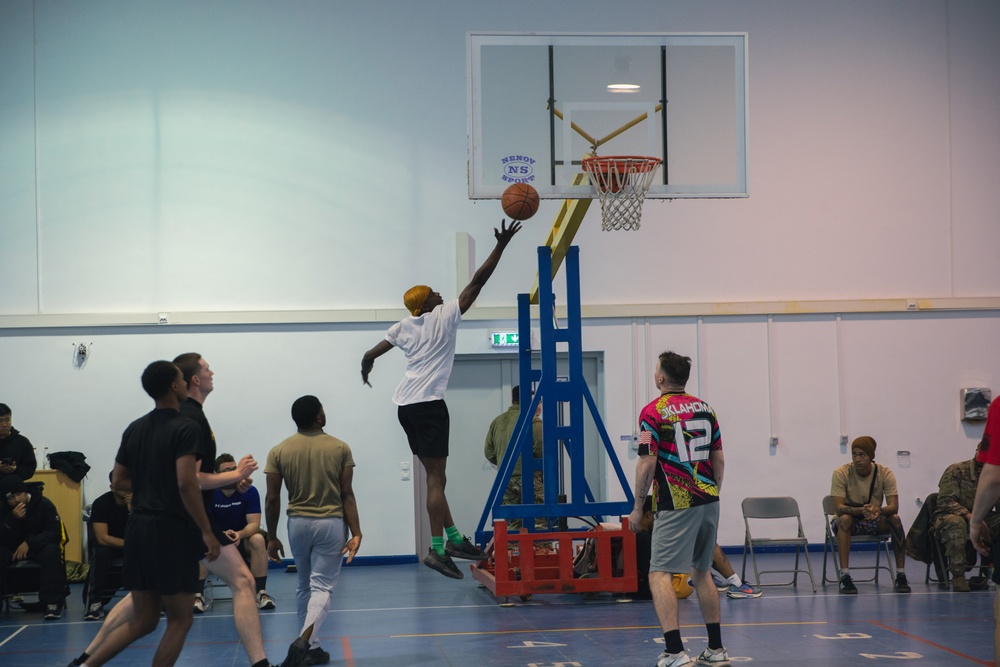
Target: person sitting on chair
[
  {"x": 731, "y": 584},
  {"x": 956, "y": 495},
  {"x": 236, "y": 510},
  {"x": 108, "y": 516},
  {"x": 17, "y": 456},
  {"x": 858, "y": 489},
  {"x": 30, "y": 529}
]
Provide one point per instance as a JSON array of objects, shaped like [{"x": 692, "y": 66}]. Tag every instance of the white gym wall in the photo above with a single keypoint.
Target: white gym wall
[{"x": 272, "y": 177}]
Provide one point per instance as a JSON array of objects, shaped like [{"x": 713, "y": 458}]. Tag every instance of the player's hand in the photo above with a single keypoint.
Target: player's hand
[
  {"x": 247, "y": 466},
  {"x": 366, "y": 368},
  {"x": 979, "y": 535},
  {"x": 21, "y": 552},
  {"x": 234, "y": 536},
  {"x": 244, "y": 485},
  {"x": 19, "y": 510},
  {"x": 505, "y": 234},
  {"x": 213, "y": 546},
  {"x": 275, "y": 549},
  {"x": 351, "y": 548},
  {"x": 634, "y": 519}
]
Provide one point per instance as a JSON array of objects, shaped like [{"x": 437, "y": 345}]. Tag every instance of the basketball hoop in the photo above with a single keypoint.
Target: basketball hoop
[{"x": 621, "y": 182}]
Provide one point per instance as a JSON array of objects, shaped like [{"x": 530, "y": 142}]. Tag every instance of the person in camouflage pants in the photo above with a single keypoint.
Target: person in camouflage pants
[
  {"x": 497, "y": 438},
  {"x": 956, "y": 495}
]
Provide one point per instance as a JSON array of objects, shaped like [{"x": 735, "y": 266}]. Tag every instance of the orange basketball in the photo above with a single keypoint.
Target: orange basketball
[{"x": 520, "y": 201}]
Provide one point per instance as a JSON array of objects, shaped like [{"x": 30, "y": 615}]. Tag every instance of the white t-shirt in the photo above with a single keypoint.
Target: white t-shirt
[{"x": 428, "y": 342}]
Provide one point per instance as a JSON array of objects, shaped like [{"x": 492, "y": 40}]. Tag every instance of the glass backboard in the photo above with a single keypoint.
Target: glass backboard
[{"x": 539, "y": 104}]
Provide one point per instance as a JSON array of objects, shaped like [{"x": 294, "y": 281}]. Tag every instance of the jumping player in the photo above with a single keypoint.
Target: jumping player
[{"x": 427, "y": 338}]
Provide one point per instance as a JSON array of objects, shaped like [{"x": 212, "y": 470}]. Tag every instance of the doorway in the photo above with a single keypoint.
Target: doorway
[{"x": 478, "y": 391}]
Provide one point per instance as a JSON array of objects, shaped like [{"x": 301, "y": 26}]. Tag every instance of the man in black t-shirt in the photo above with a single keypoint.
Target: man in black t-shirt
[
  {"x": 157, "y": 462},
  {"x": 108, "y": 516},
  {"x": 226, "y": 559}
]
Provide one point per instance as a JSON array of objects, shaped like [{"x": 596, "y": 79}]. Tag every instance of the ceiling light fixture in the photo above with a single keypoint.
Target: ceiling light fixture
[{"x": 623, "y": 77}]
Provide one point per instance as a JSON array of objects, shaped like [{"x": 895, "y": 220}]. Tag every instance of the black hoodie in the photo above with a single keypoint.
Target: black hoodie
[
  {"x": 16, "y": 446},
  {"x": 41, "y": 524}
]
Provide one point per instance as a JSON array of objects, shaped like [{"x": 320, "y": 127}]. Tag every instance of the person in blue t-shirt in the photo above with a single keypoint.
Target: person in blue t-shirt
[{"x": 236, "y": 510}]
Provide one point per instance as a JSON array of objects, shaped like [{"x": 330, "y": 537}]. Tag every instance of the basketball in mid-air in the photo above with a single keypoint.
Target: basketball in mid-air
[{"x": 520, "y": 201}]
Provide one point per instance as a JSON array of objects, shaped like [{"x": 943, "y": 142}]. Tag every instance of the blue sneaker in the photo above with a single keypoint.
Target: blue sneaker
[
  {"x": 744, "y": 591},
  {"x": 721, "y": 584}
]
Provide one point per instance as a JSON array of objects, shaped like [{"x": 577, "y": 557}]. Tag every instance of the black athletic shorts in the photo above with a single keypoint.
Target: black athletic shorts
[
  {"x": 426, "y": 426},
  {"x": 161, "y": 554}
]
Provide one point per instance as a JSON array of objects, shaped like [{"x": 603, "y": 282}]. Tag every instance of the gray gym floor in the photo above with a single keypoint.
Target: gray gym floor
[{"x": 392, "y": 615}]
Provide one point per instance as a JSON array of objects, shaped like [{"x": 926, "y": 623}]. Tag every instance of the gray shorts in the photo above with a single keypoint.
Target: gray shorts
[{"x": 684, "y": 539}]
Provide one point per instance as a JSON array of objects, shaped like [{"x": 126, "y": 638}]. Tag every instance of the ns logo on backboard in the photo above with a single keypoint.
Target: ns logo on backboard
[{"x": 518, "y": 169}]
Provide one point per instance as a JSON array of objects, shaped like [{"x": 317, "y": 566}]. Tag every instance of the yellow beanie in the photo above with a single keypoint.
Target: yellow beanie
[{"x": 415, "y": 297}]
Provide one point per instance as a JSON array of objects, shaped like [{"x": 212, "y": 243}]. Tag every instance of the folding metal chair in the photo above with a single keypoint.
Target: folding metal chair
[
  {"x": 784, "y": 507},
  {"x": 830, "y": 546}
]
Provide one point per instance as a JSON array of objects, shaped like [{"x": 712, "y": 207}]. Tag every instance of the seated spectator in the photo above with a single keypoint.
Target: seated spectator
[
  {"x": 30, "y": 529},
  {"x": 236, "y": 510},
  {"x": 731, "y": 582},
  {"x": 858, "y": 489},
  {"x": 108, "y": 516},
  {"x": 17, "y": 456},
  {"x": 956, "y": 495}
]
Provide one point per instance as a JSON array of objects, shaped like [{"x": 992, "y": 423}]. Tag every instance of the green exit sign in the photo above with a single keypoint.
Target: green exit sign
[{"x": 505, "y": 338}]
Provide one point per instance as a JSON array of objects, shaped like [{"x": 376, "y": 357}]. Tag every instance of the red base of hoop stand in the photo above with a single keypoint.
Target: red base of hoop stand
[{"x": 516, "y": 567}]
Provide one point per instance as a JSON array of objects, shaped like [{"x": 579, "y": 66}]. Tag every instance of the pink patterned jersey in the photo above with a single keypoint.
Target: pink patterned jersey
[{"x": 681, "y": 431}]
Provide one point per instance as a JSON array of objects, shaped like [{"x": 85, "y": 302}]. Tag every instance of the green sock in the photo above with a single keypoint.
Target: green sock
[
  {"x": 437, "y": 544},
  {"x": 454, "y": 535}
]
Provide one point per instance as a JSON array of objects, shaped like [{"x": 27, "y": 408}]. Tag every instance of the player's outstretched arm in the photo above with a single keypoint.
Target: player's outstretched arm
[
  {"x": 483, "y": 273},
  {"x": 368, "y": 361}
]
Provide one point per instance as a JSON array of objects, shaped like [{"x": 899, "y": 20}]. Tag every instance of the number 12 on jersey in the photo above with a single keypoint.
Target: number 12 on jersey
[{"x": 693, "y": 439}]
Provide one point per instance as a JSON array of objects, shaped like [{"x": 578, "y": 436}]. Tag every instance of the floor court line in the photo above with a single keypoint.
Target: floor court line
[
  {"x": 345, "y": 646},
  {"x": 617, "y": 628},
  {"x": 14, "y": 634},
  {"x": 926, "y": 642}
]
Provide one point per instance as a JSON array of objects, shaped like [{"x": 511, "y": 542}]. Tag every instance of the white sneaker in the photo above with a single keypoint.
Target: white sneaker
[
  {"x": 264, "y": 601},
  {"x": 715, "y": 657},
  {"x": 199, "y": 603},
  {"x": 673, "y": 659}
]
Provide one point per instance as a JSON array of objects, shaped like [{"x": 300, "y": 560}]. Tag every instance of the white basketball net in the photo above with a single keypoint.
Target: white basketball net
[{"x": 621, "y": 183}]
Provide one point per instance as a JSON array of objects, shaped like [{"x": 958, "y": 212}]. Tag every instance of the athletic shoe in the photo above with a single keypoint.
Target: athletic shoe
[
  {"x": 297, "y": 652},
  {"x": 714, "y": 656},
  {"x": 847, "y": 585},
  {"x": 721, "y": 584},
  {"x": 94, "y": 612},
  {"x": 199, "y": 603},
  {"x": 316, "y": 656},
  {"x": 52, "y": 612},
  {"x": 264, "y": 601},
  {"x": 464, "y": 549},
  {"x": 902, "y": 585},
  {"x": 443, "y": 564},
  {"x": 673, "y": 659},
  {"x": 744, "y": 591}
]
